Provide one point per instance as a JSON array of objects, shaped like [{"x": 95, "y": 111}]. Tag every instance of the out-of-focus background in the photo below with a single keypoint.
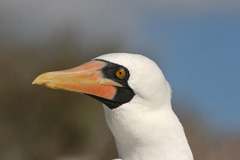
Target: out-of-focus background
[{"x": 196, "y": 43}]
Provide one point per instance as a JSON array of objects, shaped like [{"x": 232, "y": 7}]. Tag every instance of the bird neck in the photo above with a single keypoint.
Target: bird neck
[{"x": 143, "y": 134}]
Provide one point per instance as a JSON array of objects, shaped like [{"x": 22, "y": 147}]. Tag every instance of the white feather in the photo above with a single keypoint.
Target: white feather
[{"x": 146, "y": 128}]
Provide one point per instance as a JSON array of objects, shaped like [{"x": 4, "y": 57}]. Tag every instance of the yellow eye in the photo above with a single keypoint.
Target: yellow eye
[{"x": 120, "y": 73}]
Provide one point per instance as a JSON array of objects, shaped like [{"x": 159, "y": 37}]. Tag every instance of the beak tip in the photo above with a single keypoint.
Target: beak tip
[
  {"x": 40, "y": 80},
  {"x": 45, "y": 79},
  {"x": 34, "y": 82}
]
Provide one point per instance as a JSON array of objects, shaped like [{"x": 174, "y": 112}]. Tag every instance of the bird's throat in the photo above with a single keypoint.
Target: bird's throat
[{"x": 155, "y": 136}]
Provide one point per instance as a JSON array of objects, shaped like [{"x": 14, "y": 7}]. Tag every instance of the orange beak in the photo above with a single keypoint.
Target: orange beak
[{"x": 87, "y": 78}]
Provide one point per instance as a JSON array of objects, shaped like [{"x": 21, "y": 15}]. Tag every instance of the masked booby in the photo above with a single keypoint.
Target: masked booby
[{"x": 136, "y": 99}]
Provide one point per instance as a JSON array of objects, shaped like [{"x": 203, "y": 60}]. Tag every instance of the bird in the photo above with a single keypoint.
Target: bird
[{"x": 136, "y": 99}]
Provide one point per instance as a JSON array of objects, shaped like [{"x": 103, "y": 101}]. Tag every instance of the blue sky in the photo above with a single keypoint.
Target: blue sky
[{"x": 202, "y": 62}]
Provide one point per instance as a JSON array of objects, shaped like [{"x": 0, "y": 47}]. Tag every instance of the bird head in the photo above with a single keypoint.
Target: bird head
[{"x": 113, "y": 79}]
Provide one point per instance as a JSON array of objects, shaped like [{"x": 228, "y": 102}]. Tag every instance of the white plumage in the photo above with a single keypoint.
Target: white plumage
[
  {"x": 137, "y": 100},
  {"x": 146, "y": 128}
]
